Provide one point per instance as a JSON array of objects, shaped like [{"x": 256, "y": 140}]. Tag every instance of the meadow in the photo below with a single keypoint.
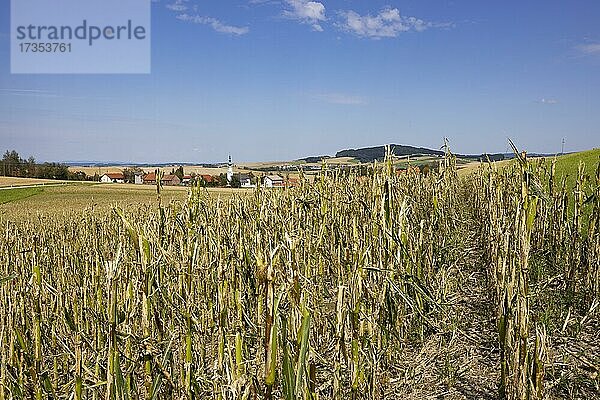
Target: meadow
[
  {"x": 8, "y": 196},
  {"x": 411, "y": 286}
]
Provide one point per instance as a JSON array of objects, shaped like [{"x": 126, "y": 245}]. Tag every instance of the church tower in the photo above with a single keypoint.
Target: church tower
[{"x": 229, "y": 171}]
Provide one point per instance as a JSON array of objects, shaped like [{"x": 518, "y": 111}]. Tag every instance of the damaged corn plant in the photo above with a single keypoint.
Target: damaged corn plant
[{"x": 345, "y": 287}]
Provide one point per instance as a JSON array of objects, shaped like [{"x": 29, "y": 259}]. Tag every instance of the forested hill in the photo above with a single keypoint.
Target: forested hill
[{"x": 369, "y": 154}]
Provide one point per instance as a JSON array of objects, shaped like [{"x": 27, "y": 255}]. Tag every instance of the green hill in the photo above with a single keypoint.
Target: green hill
[{"x": 569, "y": 163}]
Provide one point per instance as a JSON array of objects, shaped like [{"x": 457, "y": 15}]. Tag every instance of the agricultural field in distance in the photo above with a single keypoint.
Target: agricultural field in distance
[
  {"x": 566, "y": 165},
  {"x": 7, "y": 181},
  {"x": 261, "y": 168},
  {"x": 188, "y": 169},
  {"x": 18, "y": 204},
  {"x": 28, "y": 203},
  {"x": 8, "y": 196}
]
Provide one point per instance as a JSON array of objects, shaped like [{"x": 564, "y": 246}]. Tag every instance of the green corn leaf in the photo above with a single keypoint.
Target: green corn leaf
[
  {"x": 289, "y": 386},
  {"x": 20, "y": 339},
  {"x": 8, "y": 278},
  {"x": 531, "y": 211},
  {"x": 303, "y": 341},
  {"x": 272, "y": 360},
  {"x": 239, "y": 359},
  {"x": 69, "y": 318}
]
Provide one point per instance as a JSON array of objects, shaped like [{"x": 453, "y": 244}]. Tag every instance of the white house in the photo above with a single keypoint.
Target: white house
[
  {"x": 187, "y": 180},
  {"x": 272, "y": 181},
  {"x": 139, "y": 179},
  {"x": 113, "y": 177},
  {"x": 246, "y": 181}
]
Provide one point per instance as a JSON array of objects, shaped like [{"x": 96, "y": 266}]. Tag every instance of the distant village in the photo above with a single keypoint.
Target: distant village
[
  {"x": 271, "y": 176},
  {"x": 177, "y": 178}
]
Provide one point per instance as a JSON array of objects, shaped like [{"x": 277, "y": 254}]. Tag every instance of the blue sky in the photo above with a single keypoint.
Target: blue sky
[{"x": 279, "y": 80}]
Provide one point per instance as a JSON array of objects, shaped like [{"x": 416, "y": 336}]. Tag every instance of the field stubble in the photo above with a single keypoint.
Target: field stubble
[{"x": 406, "y": 286}]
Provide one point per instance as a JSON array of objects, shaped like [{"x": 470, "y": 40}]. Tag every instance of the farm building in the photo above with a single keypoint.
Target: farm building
[
  {"x": 292, "y": 182},
  {"x": 170, "y": 180},
  {"x": 207, "y": 178},
  {"x": 246, "y": 181},
  {"x": 408, "y": 170},
  {"x": 272, "y": 181},
  {"x": 187, "y": 179},
  {"x": 113, "y": 177},
  {"x": 138, "y": 179},
  {"x": 150, "y": 179}
]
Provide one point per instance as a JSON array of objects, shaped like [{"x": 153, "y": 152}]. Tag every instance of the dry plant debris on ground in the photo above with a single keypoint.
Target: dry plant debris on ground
[{"x": 393, "y": 286}]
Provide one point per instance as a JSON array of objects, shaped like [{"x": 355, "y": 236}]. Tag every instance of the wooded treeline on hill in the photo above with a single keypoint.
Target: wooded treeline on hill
[
  {"x": 13, "y": 165},
  {"x": 370, "y": 154}
]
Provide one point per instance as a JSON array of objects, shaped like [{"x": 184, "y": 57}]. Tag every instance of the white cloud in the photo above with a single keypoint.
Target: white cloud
[
  {"x": 178, "y": 5},
  {"x": 342, "y": 99},
  {"x": 549, "y": 101},
  {"x": 589, "y": 48},
  {"x": 307, "y": 12},
  {"x": 215, "y": 24},
  {"x": 388, "y": 23}
]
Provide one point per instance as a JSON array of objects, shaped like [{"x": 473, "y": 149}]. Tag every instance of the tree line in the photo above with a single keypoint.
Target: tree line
[{"x": 13, "y": 165}]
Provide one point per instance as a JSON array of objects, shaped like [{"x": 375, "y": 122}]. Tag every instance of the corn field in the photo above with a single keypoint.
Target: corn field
[{"x": 396, "y": 286}]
